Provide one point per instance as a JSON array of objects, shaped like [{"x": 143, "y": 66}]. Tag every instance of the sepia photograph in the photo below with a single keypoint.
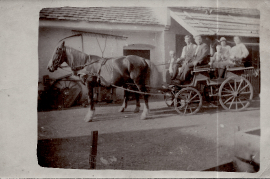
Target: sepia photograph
[
  {"x": 149, "y": 88},
  {"x": 135, "y": 89}
]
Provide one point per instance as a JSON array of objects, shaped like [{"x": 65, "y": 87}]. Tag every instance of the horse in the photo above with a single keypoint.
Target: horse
[{"x": 107, "y": 72}]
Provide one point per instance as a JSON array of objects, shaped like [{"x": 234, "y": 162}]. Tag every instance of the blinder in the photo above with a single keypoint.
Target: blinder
[{"x": 60, "y": 52}]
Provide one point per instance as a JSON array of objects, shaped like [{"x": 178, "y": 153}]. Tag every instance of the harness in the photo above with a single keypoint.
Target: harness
[{"x": 104, "y": 60}]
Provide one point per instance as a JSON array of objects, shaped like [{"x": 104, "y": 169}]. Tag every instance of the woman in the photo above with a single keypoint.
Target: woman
[
  {"x": 221, "y": 58},
  {"x": 218, "y": 57},
  {"x": 225, "y": 49}
]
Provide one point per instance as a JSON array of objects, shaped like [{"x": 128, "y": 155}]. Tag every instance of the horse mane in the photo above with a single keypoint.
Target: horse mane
[{"x": 79, "y": 56}]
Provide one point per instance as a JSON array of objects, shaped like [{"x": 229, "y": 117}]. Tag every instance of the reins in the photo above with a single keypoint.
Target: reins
[{"x": 139, "y": 92}]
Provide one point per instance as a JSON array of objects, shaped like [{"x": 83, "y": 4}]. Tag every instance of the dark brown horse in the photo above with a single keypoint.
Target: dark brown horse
[{"x": 110, "y": 71}]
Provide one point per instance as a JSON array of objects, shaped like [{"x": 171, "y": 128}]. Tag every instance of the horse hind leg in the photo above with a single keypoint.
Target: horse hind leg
[
  {"x": 90, "y": 114},
  {"x": 146, "y": 106},
  {"x": 124, "y": 105},
  {"x": 139, "y": 76}
]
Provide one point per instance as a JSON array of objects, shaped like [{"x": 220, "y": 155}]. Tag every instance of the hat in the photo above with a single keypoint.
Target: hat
[{"x": 222, "y": 39}]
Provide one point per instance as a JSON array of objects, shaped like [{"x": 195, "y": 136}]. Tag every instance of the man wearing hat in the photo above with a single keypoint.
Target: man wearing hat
[
  {"x": 186, "y": 56},
  {"x": 200, "y": 57}
]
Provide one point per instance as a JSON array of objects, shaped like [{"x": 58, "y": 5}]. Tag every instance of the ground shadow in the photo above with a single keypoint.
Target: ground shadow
[
  {"x": 157, "y": 113},
  {"x": 155, "y": 149}
]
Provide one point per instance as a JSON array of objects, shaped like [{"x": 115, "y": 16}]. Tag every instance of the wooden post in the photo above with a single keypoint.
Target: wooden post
[{"x": 93, "y": 150}]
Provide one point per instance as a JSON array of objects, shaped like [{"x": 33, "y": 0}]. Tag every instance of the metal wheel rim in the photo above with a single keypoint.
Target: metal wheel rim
[
  {"x": 235, "y": 93},
  {"x": 188, "y": 101}
]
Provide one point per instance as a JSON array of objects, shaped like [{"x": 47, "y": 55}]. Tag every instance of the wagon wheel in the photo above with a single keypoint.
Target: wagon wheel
[
  {"x": 168, "y": 98},
  {"x": 66, "y": 88},
  {"x": 188, "y": 101},
  {"x": 235, "y": 93}
]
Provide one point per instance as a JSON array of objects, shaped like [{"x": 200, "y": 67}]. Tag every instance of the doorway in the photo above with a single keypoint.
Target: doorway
[{"x": 141, "y": 53}]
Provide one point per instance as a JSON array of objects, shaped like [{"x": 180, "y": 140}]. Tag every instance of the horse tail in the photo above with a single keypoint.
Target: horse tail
[{"x": 154, "y": 77}]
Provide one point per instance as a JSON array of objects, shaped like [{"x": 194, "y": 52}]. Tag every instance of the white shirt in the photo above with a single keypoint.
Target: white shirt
[
  {"x": 186, "y": 48},
  {"x": 239, "y": 51}
]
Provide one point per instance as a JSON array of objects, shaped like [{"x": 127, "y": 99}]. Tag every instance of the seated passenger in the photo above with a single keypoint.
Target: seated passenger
[
  {"x": 238, "y": 52},
  {"x": 172, "y": 62},
  {"x": 187, "y": 55},
  {"x": 169, "y": 69},
  {"x": 232, "y": 57},
  {"x": 217, "y": 57},
  {"x": 220, "y": 60},
  {"x": 200, "y": 57},
  {"x": 225, "y": 49}
]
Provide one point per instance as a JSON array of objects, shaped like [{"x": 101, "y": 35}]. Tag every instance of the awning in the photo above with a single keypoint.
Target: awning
[{"x": 207, "y": 22}]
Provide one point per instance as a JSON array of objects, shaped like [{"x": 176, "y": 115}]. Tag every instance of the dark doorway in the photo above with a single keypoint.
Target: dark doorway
[
  {"x": 141, "y": 53},
  {"x": 180, "y": 43}
]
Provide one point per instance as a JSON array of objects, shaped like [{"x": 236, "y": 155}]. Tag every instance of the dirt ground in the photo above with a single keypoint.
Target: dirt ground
[{"x": 165, "y": 141}]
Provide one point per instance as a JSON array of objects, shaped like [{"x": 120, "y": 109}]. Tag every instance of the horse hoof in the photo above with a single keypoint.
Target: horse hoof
[
  {"x": 143, "y": 117},
  {"x": 89, "y": 116},
  {"x": 137, "y": 109},
  {"x": 122, "y": 109},
  {"x": 88, "y": 120}
]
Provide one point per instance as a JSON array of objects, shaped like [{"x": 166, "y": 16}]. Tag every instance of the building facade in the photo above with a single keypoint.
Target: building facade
[{"x": 148, "y": 32}]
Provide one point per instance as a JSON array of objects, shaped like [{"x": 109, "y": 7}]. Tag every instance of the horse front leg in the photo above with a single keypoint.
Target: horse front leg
[
  {"x": 124, "y": 105},
  {"x": 90, "y": 114},
  {"x": 145, "y": 108}
]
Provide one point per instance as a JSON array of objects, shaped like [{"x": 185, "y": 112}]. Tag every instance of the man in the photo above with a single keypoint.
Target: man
[
  {"x": 186, "y": 56},
  {"x": 200, "y": 58}
]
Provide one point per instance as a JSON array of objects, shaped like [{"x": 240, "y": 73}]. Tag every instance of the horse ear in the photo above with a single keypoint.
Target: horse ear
[{"x": 63, "y": 44}]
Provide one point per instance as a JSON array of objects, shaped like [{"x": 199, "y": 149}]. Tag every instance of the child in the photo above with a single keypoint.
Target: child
[{"x": 220, "y": 60}]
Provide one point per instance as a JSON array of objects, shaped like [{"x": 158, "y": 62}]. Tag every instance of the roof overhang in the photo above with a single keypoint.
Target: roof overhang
[
  {"x": 82, "y": 25},
  {"x": 139, "y": 46},
  {"x": 216, "y": 24}
]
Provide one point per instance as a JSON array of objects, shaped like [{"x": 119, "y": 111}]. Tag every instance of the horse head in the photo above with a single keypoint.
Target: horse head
[{"x": 58, "y": 58}]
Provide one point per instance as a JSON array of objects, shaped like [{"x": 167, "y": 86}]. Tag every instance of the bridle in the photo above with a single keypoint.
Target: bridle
[{"x": 57, "y": 63}]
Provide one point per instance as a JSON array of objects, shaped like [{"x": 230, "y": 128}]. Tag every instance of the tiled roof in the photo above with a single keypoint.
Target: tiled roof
[
  {"x": 220, "y": 21},
  {"x": 224, "y": 10},
  {"x": 127, "y": 15}
]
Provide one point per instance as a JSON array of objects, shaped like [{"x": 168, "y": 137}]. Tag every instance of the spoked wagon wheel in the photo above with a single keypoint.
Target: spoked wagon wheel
[
  {"x": 168, "y": 98},
  {"x": 235, "y": 93},
  {"x": 188, "y": 101},
  {"x": 69, "y": 91}
]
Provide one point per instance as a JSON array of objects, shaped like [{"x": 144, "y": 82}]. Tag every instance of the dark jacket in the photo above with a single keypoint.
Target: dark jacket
[{"x": 202, "y": 56}]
